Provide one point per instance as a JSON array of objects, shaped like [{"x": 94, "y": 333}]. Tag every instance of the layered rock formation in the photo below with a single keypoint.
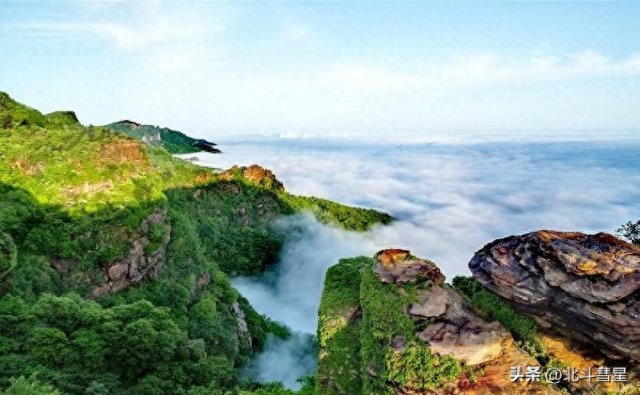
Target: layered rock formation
[
  {"x": 586, "y": 285},
  {"x": 391, "y": 325}
]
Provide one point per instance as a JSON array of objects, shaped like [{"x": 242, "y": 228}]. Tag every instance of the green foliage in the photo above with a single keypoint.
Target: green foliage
[
  {"x": 339, "y": 329},
  {"x": 416, "y": 367},
  {"x": 349, "y": 218},
  {"x": 383, "y": 319},
  {"x": 308, "y": 385},
  {"x": 523, "y": 328},
  {"x": 75, "y": 344},
  {"x": 14, "y": 114},
  {"x": 630, "y": 231},
  {"x": 363, "y": 323},
  {"x": 61, "y": 119},
  {"x": 30, "y": 386},
  {"x": 173, "y": 141},
  {"x": 74, "y": 200},
  {"x": 8, "y": 254}
]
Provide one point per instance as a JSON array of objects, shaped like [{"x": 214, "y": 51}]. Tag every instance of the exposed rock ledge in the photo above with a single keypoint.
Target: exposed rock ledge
[
  {"x": 450, "y": 326},
  {"x": 139, "y": 263},
  {"x": 399, "y": 267},
  {"x": 587, "y": 284},
  {"x": 255, "y": 174}
]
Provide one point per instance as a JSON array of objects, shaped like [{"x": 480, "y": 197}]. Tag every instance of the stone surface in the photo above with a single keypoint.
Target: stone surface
[
  {"x": 584, "y": 285},
  {"x": 400, "y": 267},
  {"x": 432, "y": 303},
  {"x": 243, "y": 327},
  {"x": 457, "y": 331}
]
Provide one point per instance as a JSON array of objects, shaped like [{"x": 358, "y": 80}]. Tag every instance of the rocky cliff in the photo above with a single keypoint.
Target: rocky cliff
[
  {"x": 560, "y": 304},
  {"x": 390, "y": 325}
]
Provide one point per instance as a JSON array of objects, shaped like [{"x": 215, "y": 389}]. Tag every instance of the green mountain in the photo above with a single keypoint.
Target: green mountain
[
  {"x": 173, "y": 141},
  {"x": 115, "y": 260}
]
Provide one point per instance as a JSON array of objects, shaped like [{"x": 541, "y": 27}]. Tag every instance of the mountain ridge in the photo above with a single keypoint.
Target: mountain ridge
[
  {"x": 115, "y": 260},
  {"x": 175, "y": 142}
]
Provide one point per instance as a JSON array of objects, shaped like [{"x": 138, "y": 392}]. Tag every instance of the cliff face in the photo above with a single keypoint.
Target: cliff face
[
  {"x": 392, "y": 325},
  {"x": 586, "y": 284}
]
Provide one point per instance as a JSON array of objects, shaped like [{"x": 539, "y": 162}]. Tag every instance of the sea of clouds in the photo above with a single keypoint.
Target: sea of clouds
[{"x": 449, "y": 200}]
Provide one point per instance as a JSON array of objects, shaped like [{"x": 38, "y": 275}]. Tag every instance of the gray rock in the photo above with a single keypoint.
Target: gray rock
[{"x": 585, "y": 285}]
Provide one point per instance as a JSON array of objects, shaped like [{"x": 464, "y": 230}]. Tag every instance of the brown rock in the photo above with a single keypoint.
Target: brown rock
[
  {"x": 458, "y": 331},
  {"x": 586, "y": 285},
  {"x": 116, "y": 271},
  {"x": 400, "y": 267},
  {"x": 122, "y": 151},
  {"x": 255, "y": 174},
  {"x": 390, "y": 256}
]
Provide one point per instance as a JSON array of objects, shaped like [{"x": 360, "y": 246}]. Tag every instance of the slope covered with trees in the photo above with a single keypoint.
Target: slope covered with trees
[{"x": 115, "y": 257}]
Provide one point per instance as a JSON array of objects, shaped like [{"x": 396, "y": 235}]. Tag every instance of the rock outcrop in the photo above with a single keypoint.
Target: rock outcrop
[
  {"x": 456, "y": 330},
  {"x": 585, "y": 285},
  {"x": 254, "y": 174},
  {"x": 141, "y": 262},
  {"x": 400, "y": 267},
  {"x": 390, "y": 324}
]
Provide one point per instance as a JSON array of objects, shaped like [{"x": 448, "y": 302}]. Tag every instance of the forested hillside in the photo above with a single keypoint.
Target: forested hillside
[{"x": 115, "y": 257}]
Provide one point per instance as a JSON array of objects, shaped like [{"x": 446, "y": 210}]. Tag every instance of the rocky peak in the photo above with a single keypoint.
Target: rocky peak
[
  {"x": 255, "y": 174},
  {"x": 585, "y": 285},
  {"x": 400, "y": 267}
]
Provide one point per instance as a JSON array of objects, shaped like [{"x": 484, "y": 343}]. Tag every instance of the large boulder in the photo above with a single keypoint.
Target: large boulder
[
  {"x": 584, "y": 285},
  {"x": 400, "y": 267}
]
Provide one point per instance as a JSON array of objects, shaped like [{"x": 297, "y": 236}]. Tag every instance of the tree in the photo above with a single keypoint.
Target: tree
[
  {"x": 630, "y": 231},
  {"x": 30, "y": 386},
  {"x": 8, "y": 254}
]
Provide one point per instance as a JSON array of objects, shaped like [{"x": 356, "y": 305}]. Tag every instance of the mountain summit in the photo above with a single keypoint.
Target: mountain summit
[{"x": 173, "y": 141}]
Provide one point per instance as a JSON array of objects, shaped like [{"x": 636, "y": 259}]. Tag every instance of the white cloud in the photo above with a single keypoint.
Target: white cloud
[
  {"x": 449, "y": 200},
  {"x": 164, "y": 37}
]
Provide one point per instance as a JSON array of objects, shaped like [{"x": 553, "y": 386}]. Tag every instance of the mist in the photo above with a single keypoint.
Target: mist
[
  {"x": 448, "y": 200},
  {"x": 284, "y": 361},
  {"x": 297, "y": 278}
]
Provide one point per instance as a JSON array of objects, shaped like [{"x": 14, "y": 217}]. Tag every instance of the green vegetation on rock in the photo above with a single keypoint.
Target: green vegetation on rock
[
  {"x": 339, "y": 366},
  {"x": 367, "y": 341},
  {"x": 350, "y": 218}
]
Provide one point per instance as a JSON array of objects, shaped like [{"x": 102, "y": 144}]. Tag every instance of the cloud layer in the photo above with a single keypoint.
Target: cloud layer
[{"x": 449, "y": 200}]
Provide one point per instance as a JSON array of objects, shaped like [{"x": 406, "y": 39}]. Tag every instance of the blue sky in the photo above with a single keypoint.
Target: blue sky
[{"x": 213, "y": 68}]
